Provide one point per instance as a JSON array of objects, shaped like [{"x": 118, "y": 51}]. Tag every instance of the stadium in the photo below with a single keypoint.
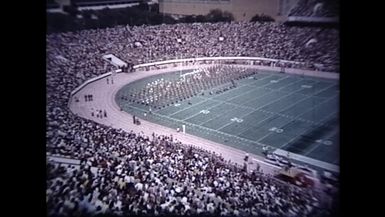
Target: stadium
[{"x": 203, "y": 118}]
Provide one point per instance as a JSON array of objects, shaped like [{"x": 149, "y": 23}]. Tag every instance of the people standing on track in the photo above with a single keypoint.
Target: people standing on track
[
  {"x": 265, "y": 150},
  {"x": 246, "y": 159}
]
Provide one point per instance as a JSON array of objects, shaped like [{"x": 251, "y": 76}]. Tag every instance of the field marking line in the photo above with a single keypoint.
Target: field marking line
[
  {"x": 188, "y": 107},
  {"x": 272, "y": 132},
  {"x": 328, "y": 89},
  {"x": 329, "y": 135},
  {"x": 208, "y": 108},
  {"x": 259, "y": 122},
  {"x": 273, "y": 101},
  {"x": 205, "y": 128},
  {"x": 319, "y": 105},
  {"x": 233, "y": 121},
  {"x": 320, "y": 90},
  {"x": 277, "y": 82},
  {"x": 233, "y": 104},
  {"x": 308, "y": 96},
  {"x": 283, "y": 98},
  {"x": 295, "y": 137},
  {"x": 293, "y": 83}
]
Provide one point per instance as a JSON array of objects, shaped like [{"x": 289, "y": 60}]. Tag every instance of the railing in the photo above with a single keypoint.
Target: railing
[{"x": 256, "y": 59}]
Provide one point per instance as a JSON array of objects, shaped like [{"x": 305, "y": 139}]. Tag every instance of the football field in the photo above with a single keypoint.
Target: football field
[{"x": 294, "y": 113}]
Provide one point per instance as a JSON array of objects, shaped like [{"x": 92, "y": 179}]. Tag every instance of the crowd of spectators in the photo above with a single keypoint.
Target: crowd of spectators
[
  {"x": 127, "y": 173},
  {"x": 316, "y": 8},
  {"x": 143, "y": 44}
]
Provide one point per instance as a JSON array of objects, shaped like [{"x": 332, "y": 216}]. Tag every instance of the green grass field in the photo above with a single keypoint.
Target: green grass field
[{"x": 294, "y": 113}]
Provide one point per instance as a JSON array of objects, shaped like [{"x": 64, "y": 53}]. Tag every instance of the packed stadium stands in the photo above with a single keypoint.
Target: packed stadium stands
[
  {"x": 307, "y": 44},
  {"x": 316, "y": 8},
  {"x": 125, "y": 173},
  {"x": 159, "y": 176}
]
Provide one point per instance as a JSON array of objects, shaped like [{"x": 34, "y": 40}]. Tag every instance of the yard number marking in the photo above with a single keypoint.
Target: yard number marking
[
  {"x": 275, "y": 129},
  {"x": 325, "y": 142},
  {"x": 238, "y": 120}
]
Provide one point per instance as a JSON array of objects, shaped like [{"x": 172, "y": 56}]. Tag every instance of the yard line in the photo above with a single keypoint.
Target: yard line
[
  {"x": 307, "y": 96},
  {"x": 208, "y": 120},
  {"x": 244, "y": 85},
  {"x": 280, "y": 99},
  {"x": 265, "y": 78},
  {"x": 233, "y": 121},
  {"x": 295, "y": 137},
  {"x": 294, "y": 82},
  {"x": 319, "y": 122},
  {"x": 275, "y": 113},
  {"x": 257, "y": 123},
  {"x": 255, "y": 87},
  {"x": 325, "y": 88},
  {"x": 320, "y": 144},
  {"x": 213, "y": 96},
  {"x": 195, "y": 114},
  {"x": 263, "y": 86},
  {"x": 312, "y": 149},
  {"x": 270, "y": 133},
  {"x": 204, "y": 128},
  {"x": 246, "y": 92},
  {"x": 230, "y": 103},
  {"x": 296, "y": 118},
  {"x": 292, "y": 105},
  {"x": 323, "y": 120},
  {"x": 188, "y": 107}
]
